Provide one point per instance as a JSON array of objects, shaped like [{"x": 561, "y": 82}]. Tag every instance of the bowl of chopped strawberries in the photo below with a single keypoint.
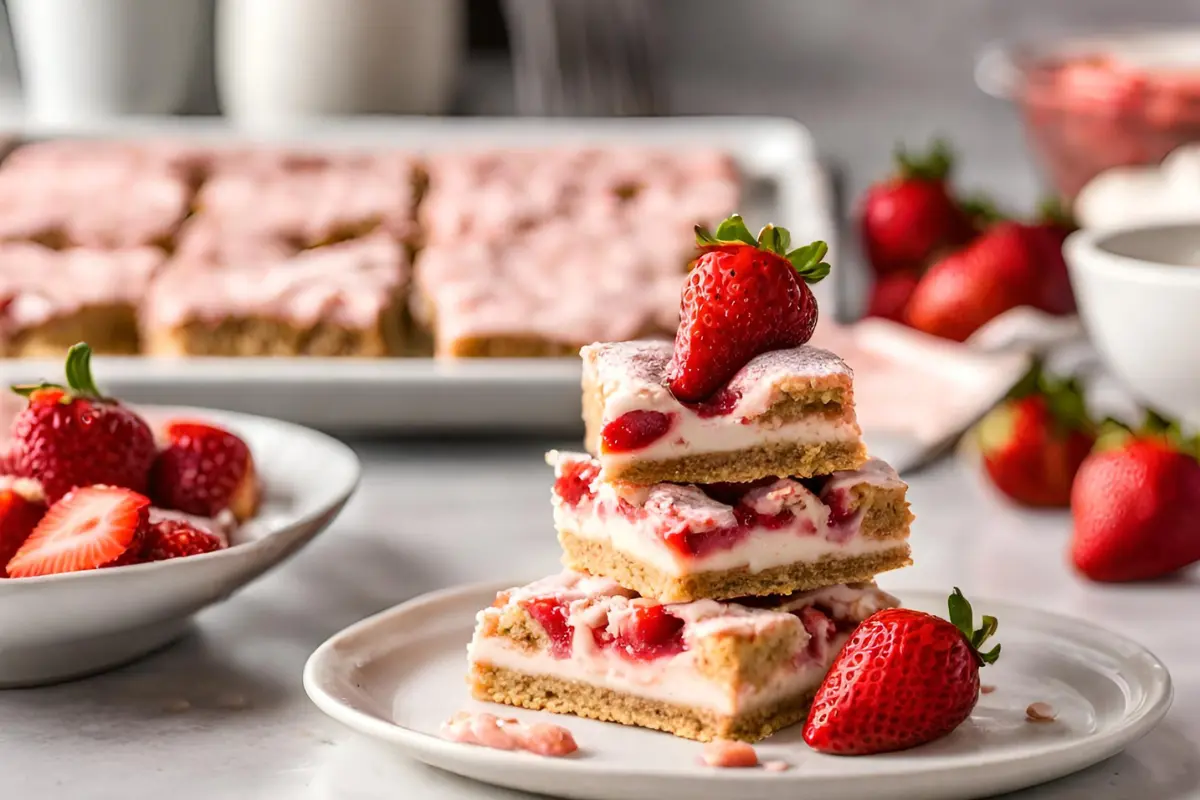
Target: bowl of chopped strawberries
[{"x": 117, "y": 525}]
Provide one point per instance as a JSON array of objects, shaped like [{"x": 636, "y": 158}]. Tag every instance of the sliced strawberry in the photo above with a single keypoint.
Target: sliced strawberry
[
  {"x": 86, "y": 529},
  {"x": 204, "y": 470},
  {"x": 172, "y": 538},
  {"x": 651, "y": 632},
  {"x": 19, "y": 515}
]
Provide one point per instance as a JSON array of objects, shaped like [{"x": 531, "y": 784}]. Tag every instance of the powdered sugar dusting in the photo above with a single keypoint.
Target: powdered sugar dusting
[{"x": 633, "y": 375}]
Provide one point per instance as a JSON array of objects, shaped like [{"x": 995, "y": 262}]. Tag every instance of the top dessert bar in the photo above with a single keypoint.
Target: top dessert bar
[{"x": 785, "y": 413}]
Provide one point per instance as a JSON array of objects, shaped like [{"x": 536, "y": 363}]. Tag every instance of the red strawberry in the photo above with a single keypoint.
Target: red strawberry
[
  {"x": 742, "y": 298},
  {"x": 651, "y": 632},
  {"x": 1048, "y": 234},
  {"x": 1034, "y": 441},
  {"x": 965, "y": 290},
  {"x": 89, "y": 528},
  {"x": 19, "y": 515},
  {"x": 903, "y": 679},
  {"x": 171, "y": 538},
  {"x": 204, "y": 470},
  {"x": 910, "y": 218},
  {"x": 71, "y": 437},
  {"x": 890, "y": 294},
  {"x": 1136, "y": 504}
]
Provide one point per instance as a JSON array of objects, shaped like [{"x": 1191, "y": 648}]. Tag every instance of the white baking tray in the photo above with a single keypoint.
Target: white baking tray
[{"x": 784, "y": 184}]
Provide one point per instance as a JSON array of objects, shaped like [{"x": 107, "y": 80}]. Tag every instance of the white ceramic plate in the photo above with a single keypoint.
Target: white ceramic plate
[
  {"x": 396, "y": 676},
  {"x": 784, "y": 184},
  {"x": 62, "y": 626}
]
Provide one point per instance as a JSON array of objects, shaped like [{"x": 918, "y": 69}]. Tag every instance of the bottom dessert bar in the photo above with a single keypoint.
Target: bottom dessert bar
[
  {"x": 684, "y": 542},
  {"x": 577, "y": 644}
]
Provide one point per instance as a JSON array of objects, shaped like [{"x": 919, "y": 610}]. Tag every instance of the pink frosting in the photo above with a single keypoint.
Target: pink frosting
[
  {"x": 488, "y": 730},
  {"x": 38, "y": 284},
  {"x": 112, "y": 204},
  {"x": 312, "y": 205},
  {"x": 492, "y": 194},
  {"x": 349, "y": 283},
  {"x": 562, "y": 283},
  {"x": 635, "y": 373}
]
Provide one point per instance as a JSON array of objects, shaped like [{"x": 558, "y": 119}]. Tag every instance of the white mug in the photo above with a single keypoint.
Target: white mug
[
  {"x": 283, "y": 60},
  {"x": 84, "y": 60}
]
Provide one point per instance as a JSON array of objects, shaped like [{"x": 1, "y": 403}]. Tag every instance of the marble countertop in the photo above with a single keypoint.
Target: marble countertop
[{"x": 250, "y": 731}]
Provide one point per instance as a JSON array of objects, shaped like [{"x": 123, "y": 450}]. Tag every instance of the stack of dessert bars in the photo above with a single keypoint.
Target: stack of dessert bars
[{"x": 718, "y": 556}]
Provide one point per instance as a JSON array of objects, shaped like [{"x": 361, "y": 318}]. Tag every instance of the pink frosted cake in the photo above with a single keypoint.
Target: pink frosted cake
[
  {"x": 108, "y": 204},
  {"x": 574, "y": 644},
  {"x": 496, "y": 194},
  {"x": 685, "y": 542},
  {"x": 549, "y": 291},
  {"x": 51, "y": 299},
  {"x": 339, "y": 300},
  {"x": 787, "y": 412},
  {"x": 312, "y": 207}
]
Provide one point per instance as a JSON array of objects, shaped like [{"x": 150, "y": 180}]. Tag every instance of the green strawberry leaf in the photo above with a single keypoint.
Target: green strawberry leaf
[
  {"x": 79, "y": 377},
  {"x": 807, "y": 261},
  {"x": 982, "y": 210},
  {"x": 1064, "y": 397},
  {"x": 704, "y": 238},
  {"x": 933, "y": 165},
  {"x": 734, "y": 230},
  {"x": 963, "y": 618},
  {"x": 1052, "y": 211}
]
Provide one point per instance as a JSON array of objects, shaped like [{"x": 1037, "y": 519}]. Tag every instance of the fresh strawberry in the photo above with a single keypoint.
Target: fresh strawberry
[
  {"x": 1054, "y": 225},
  {"x": 170, "y": 538},
  {"x": 1136, "y": 503},
  {"x": 71, "y": 437},
  {"x": 651, "y": 632},
  {"x": 204, "y": 470},
  {"x": 890, "y": 294},
  {"x": 903, "y": 679},
  {"x": 89, "y": 528},
  {"x": 1035, "y": 440},
  {"x": 967, "y": 289},
  {"x": 19, "y": 515},
  {"x": 911, "y": 218},
  {"x": 742, "y": 298}
]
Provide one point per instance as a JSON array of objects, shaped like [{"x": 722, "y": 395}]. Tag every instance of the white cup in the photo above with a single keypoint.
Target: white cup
[
  {"x": 84, "y": 60},
  {"x": 286, "y": 60}
]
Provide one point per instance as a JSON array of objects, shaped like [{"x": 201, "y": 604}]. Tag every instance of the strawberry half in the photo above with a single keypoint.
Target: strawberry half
[
  {"x": 73, "y": 436},
  {"x": 204, "y": 470},
  {"x": 87, "y": 529},
  {"x": 1136, "y": 503},
  {"x": 904, "y": 678},
  {"x": 170, "y": 538},
  {"x": 1034, "y": 442},
  {"x": 744, "y": 296}
]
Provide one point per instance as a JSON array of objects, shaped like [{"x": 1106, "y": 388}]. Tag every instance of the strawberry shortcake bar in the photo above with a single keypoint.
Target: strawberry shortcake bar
[
  {"x": 681, "y": 542},
  {"x": 575, "y": 644},
  {"x": 785, "y": 412}
]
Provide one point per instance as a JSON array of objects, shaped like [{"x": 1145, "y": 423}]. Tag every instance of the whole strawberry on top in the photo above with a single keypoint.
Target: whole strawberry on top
[
  {"x": 744, "y": 296},
  {"x": 1136, "y": 503},
  {"x": 904, "y": 678},
  {"x": 73, "y": 436},
  {"x": 1033, "y": 442},
  {"x": 911, "y": 218},
  {"x": 204, "y": 470}
]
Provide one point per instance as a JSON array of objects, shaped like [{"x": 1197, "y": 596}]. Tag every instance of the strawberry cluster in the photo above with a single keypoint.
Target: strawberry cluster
[
  {"x": 83, "y": 471},
  {"x": 948, "y": 265}
]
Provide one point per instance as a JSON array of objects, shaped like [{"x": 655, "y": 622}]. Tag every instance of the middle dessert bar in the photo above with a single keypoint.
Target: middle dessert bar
[
  {"x": 787, "y": 412},
  {"x": 685, "y": 542},
  {"x": 575, "y": 644}
]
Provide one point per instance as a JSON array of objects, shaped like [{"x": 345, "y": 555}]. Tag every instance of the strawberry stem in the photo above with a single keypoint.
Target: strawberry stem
[
  {"x": 933, "y": 165},
  {"x": 807, "y": 260},
  {"x": 1064, "y": 396},
  {"x": 963, "y": 618}
]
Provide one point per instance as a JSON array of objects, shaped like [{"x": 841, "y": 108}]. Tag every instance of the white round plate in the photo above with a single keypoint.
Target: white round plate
[
  {"x": 396, "y": 676},
  {"x": 62, "y": 626}
]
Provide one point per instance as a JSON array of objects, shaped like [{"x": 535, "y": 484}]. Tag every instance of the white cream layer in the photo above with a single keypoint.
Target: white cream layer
[{"x": 672, "y": 679}]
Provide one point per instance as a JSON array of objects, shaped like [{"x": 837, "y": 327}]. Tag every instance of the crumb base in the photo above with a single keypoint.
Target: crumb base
[
  {"x": 545, "y": 693},
  {"x": 792, "y": 459}
]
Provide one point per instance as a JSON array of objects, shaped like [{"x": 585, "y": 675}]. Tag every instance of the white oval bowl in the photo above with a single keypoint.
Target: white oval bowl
[
  {"x": 1138, "y": 290},
  {"x": 58, "y": 627}
]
